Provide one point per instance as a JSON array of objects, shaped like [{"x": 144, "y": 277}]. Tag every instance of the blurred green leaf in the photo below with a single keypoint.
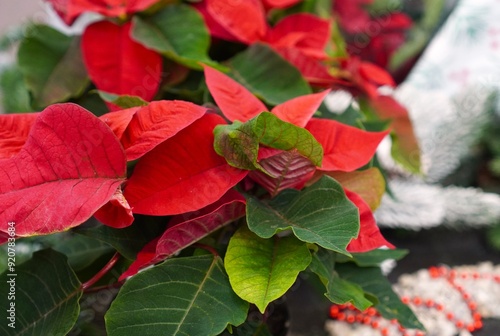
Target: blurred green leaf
[
  {"x": 14, "y": 95},
  {"x": 124, "y": 101},
  {"x": 373, "y": 258},
  {"x": 373, "y": 282},
  {"x": 177, "y": 31},
  {"x": 52, "y": 66},
  {"x": 338, "y": 290},
  {"x": 130, "y": 240},
  {"x": 81, "y": 251}
]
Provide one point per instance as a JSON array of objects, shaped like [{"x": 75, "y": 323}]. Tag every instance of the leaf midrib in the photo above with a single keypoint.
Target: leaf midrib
[{"x": 188, "y": 308}]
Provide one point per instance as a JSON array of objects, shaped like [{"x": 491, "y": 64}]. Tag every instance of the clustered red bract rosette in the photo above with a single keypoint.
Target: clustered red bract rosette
[{"x": 204, "y": 127}]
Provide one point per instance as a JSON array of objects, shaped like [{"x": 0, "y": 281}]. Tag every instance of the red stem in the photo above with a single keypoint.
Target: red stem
[
  {"x": 102, "y": 272},
  {"x": 208, "y": 248}
]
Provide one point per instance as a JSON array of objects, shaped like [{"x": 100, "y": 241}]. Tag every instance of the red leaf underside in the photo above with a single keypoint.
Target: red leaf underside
[
  {"x": 291, "y": 170},
  {"x": 69, "y": 167},
  {"x": 14, "y": 130},
  {"x": 145, "y": 257},
  {"x": 188, "y": 228}
]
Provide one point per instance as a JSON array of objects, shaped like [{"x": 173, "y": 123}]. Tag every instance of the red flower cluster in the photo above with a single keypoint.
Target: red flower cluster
[{"x": 66, "y": 149}]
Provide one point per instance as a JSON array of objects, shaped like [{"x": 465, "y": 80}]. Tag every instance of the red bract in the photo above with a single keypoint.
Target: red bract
[
  {"x": 157, "y": 122},
  {"x": 279, "y": 3},
  {"x": 299, "y": 38},
  {"x": 140, "y": 129},
  {"x": 69, "y": 10},
  {"x": 14, "y": 130},
  {"x": 364, "y": 77},
  {"x": 117, "y": 212},
  {"x": 352, "y": 15},
  {"x": 117, "y": 64},
  {"x": 70, "y": 166},
  {"x": 191, "y": 174},
  {"x": 389, "y": 109},
  {"x": 369, "y": 237},
  {"x": 243, "y": 21},
  {"x": 391, "y": 35},
  {"x": 345, "y": 148},
  {"x": 188, "y": 228},
  {"x": 118, "y": 120}
]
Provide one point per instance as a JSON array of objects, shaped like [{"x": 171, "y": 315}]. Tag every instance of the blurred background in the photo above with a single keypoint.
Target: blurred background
[{"x": 14, "y": 12}]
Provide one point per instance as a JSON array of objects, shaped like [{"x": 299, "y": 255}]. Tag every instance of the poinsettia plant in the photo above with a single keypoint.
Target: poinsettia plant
[{"x": 184, "y": 154}]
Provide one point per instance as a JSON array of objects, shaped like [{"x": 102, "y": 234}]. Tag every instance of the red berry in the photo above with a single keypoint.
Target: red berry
[
  {"x": 472, "y": 305},
  {"x": 478, "y": 324},
  {"x": 417, "y": 300}
]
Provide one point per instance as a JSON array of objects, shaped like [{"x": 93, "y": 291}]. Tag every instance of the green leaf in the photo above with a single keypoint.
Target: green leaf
[
  {"x": 262, "y": 270},
  {"x": 45, "y": 296},
  {"x": 419, "y": 35},
  {"x": 130, "y": 240},
  {"x": 82, "y": 251},
  {"x": 178, "y": 32},
  {"x": 350, "y": 116},
  {"x": 320, "y": 214},
  {"x": 14, "y": 95},
  {"x": 239, "y": 142},
  {"x": 493, "y": 236},
  {"x": 372, "y": 281},
  {"x": 249, "y": 328},
  {"x": 123, "y": 101},
  {"x": 338, "y": 290},
  {"x": 374, "y": 258},
  {"x": 52, "y": 66},
  {"x": 183, "y": 296},
  {"x": 267, "y": 75}
]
